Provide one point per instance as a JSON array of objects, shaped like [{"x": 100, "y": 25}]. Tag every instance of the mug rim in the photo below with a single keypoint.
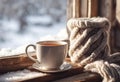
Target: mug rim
[{"x": 61, "y": 43}]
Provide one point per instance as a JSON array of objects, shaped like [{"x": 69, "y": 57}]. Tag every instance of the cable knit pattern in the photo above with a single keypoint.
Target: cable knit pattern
[
  {"x": 89, "y": 47},
  {"x": 86, "y": 32}
]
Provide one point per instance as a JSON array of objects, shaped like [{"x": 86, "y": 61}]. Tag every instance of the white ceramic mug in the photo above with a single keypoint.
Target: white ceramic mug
[{"x": 50, "y": 54}]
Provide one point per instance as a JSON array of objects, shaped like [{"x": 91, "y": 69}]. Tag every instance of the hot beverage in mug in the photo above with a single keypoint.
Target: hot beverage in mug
[{"x": 50, "y": 54}]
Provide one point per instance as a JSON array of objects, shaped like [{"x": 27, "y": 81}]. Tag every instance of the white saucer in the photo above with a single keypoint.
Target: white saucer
[{"x": 64, "y": 67}]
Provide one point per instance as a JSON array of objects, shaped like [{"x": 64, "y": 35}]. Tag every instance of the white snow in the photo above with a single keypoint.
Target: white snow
[
  {"x": 19, "y": 75},
  {"x": 15, "y": 42},
  {"x": 10, "y": 52},
  {"x": 9, "y": 25},
  {"x": 39, "y": 20},
  {"x": 32, "y": 33}
]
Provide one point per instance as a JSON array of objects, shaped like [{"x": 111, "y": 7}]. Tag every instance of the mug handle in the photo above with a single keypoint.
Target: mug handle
[{"x": 26, "y": 51}]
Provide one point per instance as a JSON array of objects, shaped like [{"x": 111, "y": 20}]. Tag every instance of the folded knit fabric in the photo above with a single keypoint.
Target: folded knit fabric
[{"x": 89, "y": 43}]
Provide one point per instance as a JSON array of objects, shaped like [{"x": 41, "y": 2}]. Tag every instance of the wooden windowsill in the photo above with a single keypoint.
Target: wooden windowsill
[{"x": 14, "y": 63}]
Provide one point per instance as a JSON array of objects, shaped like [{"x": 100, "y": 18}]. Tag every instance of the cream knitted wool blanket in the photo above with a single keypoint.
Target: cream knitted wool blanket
[{"x": 89, "y": 47}]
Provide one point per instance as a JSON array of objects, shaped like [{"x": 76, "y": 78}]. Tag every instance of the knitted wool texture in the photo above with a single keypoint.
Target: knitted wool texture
[{"x": 89, "y": 47}]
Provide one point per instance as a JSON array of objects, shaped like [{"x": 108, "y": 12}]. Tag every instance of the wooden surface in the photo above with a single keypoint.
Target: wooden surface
[
  {"x": 72, "y": 75},
  {"x": 17, "y": 62},
  {"x": 76, "y": 8},
  {"x": 83, "y": 77},
  {"x": 21, "y": 61},
  {"x": 68, "y": 76},
  {"x": 82, "y": 8}
]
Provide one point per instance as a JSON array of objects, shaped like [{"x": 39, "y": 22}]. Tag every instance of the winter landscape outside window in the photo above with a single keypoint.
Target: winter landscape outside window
[{"x": 27, "y": 21}]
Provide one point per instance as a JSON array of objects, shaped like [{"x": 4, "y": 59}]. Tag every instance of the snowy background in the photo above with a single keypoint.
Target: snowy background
[{"x": 28, "y": 21}]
